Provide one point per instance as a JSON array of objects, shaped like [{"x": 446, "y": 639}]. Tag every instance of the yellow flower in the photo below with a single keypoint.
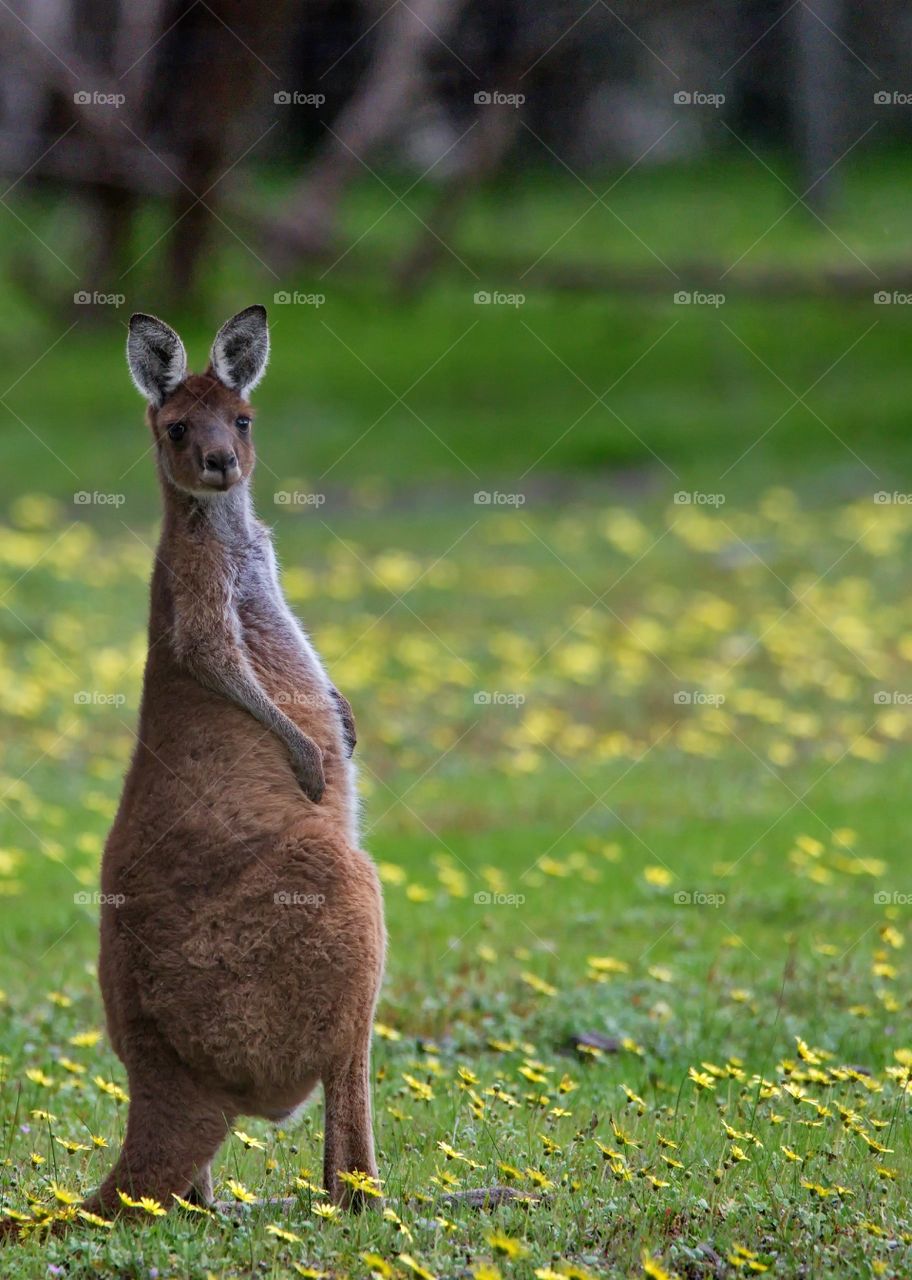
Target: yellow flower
[
  {"x": 391, "y": 873},
  {"x": 701, "y": 1079},
  {"x": 281, "y": 1234},
  {"x": 188, "y": 1204},
  {"x": 423, "y": 1092},
  {"x": 85, "y": 1039},
  {"x": 421, "y": 1272},
  {"x": 93, "y": 1219},
  {"x": 390, "y": 1215},
  {"x": 112, "y": 1090},
  {"x": 452, "y": 1154},
  {"x": 385, "y": 1032},
  {"x": 624, "y": 1139},
  {"x": 72, "y": 1147},
  {"x": 248, "y": 1141},
  {"x": 506, "y": 1245},
  {"x": 327, "y": 1210},
  {"x": 379, "y": 1266},
  {"x": 146, "y": 1203},
  {"x": 653, "y": 1268},
  {"x": 38, "y": 1077},
  {"x": 538, "y": 984},
  {"x": 62, "y": 1196},
  {"x": 240, "y": 1192},
  {"x": 362, "y": 1182},
  {"x": 741, "y": 1257}
]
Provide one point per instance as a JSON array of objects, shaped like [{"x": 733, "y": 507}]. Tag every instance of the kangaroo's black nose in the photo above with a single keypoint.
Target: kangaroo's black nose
[{"x": 220, "y": 460}]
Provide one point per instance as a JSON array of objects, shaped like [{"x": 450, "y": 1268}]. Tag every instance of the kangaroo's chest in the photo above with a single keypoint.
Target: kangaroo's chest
[{"x": 275, "y": 643}]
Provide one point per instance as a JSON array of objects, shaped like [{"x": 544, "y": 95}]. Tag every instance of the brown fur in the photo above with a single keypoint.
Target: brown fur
[{"x": 243, "y": 964}]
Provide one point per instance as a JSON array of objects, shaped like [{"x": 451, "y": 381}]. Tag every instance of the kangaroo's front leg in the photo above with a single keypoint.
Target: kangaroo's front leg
[{"x": 208, "y": 642}]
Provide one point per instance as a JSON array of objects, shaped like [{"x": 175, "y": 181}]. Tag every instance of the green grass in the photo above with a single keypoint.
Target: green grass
[
  {"x": 585, "y": 801},
  {"x": 494, "y": 394}
]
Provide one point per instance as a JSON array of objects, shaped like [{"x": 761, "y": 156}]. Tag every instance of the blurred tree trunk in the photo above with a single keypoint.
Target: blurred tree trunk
[
  {"x": 816, "y": 99},
  {"x": 485, "y": 150},
  {"x": 26, "y": 88},
  {"x": 227, "y": 68},
  {"x": 393, "y": 84}
]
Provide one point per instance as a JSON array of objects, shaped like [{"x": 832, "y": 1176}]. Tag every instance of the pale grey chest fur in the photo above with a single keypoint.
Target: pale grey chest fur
[{"x": 263, "y": 607}]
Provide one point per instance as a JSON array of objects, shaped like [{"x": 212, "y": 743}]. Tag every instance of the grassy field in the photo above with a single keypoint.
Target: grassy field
[{"x": 632, "y": 766}]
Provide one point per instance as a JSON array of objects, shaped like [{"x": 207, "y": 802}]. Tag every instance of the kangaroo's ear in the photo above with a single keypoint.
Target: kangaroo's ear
[
  {"x": 156, "y": 356},
  {"x": 241, "y": 350}
]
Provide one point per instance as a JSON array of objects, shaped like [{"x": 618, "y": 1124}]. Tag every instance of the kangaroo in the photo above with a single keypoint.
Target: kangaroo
[{"x": 243, "y": 963}]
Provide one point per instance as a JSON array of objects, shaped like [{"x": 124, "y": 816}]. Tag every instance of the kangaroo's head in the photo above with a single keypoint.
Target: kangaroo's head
[{"x": 201, "y": 423}]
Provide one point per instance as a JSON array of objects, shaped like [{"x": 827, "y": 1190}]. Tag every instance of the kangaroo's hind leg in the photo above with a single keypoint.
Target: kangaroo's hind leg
[
  {"x": 173, "y": 1131},
  {"x": 349, "y": 1141}
]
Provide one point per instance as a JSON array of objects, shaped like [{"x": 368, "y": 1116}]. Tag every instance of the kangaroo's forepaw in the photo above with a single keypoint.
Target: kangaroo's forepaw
[{"x": 307, "y": 763}]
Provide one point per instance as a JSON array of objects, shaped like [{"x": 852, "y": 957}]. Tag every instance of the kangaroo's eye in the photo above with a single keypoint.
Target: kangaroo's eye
[
  {"x": 177, "y": 430},
  {"x": 242, "y": 423}
]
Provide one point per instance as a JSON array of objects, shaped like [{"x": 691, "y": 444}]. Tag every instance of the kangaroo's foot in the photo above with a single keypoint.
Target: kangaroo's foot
[
  {"x": 201, "y": 1185},
  {"x": 173, "y": 1131},
  {"x": 349, "y": 1142}
]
